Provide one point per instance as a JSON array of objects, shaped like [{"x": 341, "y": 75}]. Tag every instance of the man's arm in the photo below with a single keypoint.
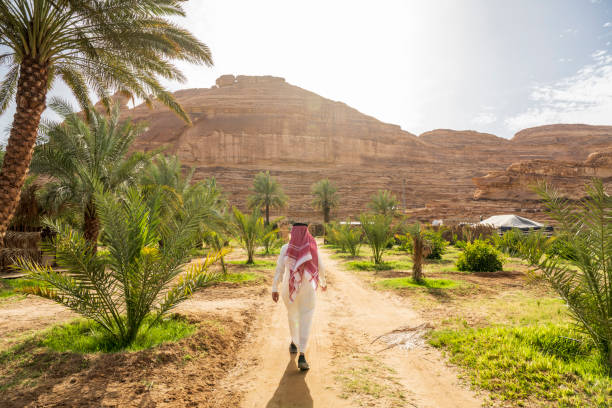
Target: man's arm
[
  {"x": 280, "y": 269},
  {"x": 322, "y": 281}
]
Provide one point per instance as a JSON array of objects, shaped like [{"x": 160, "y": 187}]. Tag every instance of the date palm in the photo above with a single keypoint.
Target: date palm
[
  {"x": 248, "y": 228},
  {"x": 267, "y": 193},
  {"x": 326, "y": 197},
  {"x": 102, "y": 46},
  {"x": 84, "y": 157},
  {"x": 384, "y": 202},
  {"x": 584, "y": 282},
  {"x": 134, "y": 276}
]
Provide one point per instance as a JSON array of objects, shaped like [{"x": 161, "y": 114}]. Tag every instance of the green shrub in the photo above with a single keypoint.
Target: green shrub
[
  {"x": 479, "y": 256},
  {"x": 404, "y": 242},
  {"x": 436, "y": 244}
]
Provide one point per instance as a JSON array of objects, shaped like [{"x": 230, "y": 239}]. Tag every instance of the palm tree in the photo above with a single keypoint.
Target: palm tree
[
  {"x": 266, "y": 193},
  {"x": 378, "y": 234},
  {"x": 135, "y": 277},
  {"x": 103, "y": 46},
  {"x": 167, "y": 171},
  {"x": 83, "y": 158},
  {"x": 249, "y": 229},
  {"x": 326, "y": 197},
  {"x": 420, "y": 250},
  {"x": 384, "y": 202}
]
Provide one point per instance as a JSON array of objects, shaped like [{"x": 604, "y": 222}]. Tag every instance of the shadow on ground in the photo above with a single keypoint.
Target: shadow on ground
[{"x": 292, "y": 390}]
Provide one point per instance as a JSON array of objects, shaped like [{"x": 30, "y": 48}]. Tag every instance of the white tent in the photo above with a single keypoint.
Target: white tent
[{"x": 508, "y": 221}]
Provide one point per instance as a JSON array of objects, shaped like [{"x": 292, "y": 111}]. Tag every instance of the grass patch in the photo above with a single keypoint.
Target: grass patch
[
  {"x": 407, "y": 282},
  {"x": 86, "y": 336},
  {"x": 260, "y": 263},
  {"x": 548, "y": 364},
  {"x": 385, "y": 266},
  {"x": 9, "y": 287},
  {"x": 242, "y": 277}
]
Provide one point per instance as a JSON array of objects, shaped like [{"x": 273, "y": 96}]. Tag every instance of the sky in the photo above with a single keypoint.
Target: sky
[{"x": 495, "y": 66}]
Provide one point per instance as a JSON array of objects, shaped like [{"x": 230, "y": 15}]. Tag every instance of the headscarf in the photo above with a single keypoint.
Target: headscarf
[{"x": 303, "y": 256}]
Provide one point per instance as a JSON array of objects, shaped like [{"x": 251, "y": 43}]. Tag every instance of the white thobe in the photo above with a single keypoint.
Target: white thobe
[{"x": 299, "y": 311}]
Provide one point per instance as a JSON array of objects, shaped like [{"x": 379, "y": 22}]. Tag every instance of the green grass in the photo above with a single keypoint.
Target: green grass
[
  {"x": 242, "y": 277},
  {"x": 259, "y": 263},
  {"x": 385, "y": 266},
  {"x": 547, "y": 364},
  {"x": 8, "y": 287},
  {"x": 86, "y": 336},
  {"x": 407, "y": 282}
]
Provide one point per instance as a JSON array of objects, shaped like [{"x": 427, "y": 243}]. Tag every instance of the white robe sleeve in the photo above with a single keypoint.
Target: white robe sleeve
[
  {"x": 322, "y": 281},
  {"x": 280, "y": 268}
]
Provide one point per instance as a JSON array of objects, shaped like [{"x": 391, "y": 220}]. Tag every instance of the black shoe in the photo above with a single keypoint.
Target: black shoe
[
  {"x": 293, "y": 348},
  {"x": 302, "y": 364}
]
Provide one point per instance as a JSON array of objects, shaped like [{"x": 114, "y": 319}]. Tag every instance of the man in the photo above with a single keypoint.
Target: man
[{"x": 301, "y": 273}]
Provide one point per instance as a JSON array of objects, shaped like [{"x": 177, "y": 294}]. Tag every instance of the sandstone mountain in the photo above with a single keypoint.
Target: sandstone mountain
[{"x": 246, "y": 124}]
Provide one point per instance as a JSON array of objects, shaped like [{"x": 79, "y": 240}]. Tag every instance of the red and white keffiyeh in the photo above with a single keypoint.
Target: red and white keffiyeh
[{"x": 303, "y": 256}]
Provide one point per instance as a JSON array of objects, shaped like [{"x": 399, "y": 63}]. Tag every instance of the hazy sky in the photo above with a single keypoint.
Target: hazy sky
[{"x": 495, "y": 66}]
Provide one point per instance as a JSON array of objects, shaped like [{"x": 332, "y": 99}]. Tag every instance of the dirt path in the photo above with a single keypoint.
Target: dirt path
[{"x": 347, "y": 319}]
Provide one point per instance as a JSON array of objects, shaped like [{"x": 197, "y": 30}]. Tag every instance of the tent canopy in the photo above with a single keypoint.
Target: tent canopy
[{"x": 511, "y": 221}]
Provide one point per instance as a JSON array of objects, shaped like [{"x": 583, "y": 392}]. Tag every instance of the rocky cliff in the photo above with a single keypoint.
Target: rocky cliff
[{"x": 246, "y": 124}]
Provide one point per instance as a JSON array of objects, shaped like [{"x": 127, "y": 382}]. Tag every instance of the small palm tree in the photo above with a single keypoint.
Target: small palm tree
[
  {"x": 134, "y": 277},
  {"x": 326, "y": 197},
  {"x": 83, "y": 157},
  {"x": 420, "y": 250},
  {"x": 270, "y": 239},
  {"x": 267, "y": 193},
  {"x": 167, "y": 171},
  {"x": 249, "y": 229},
  {"x": 378, "y": 233},
  {"x": 384, "y": 202},
  {"x": 584, "y": 282},
  {"x": 100, "y": 46}
]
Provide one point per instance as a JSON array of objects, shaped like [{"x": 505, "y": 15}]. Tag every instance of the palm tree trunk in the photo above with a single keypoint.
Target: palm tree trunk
[
  {"x": 417, "y": 259},
  {"x": 31, "y": 95},
  {"x": 91, "y": 224},
  {"x": 267, "y": 214},
  {"x": 326, "y": 215}
]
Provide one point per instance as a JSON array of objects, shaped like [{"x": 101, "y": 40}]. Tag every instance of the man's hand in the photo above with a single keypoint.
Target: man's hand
[
  {"x": 324, "y": 288},
  {"x": 275, "y": 296}
]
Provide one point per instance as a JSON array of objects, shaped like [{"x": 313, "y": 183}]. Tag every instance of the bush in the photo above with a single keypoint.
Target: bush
[
  {"x": 404, "y": 242},
  {"x": 479, "y": 256},
  {"x": 435, "y": 242}
]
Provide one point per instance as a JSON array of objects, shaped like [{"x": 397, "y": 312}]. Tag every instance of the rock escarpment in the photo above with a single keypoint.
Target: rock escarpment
[{"x": 247, "y": 124}]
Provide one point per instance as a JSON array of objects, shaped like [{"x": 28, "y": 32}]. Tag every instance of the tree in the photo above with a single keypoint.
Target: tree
[
  {"x": 103, "y": 46},
  {"x": 384, "y": 202},
  {"x": 267, "y": 193},
  {"x": 326, "y": 197},
  {"x": 419, "y": 250},
  {"x": 85, "y": 157},
  {"x": 584, "y": 281},
  {"x": 249, "y": 229},
  {"x": 377, "y": 230},
  {"x": 134, "y": 276}
]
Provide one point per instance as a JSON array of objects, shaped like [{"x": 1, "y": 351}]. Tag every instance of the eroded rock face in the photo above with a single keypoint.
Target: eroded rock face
[
  {"x": 517, "y": 181},
  {"x": 246, "y": 124}
]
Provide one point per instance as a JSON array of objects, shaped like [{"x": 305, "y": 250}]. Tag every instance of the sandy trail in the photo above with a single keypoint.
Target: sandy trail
[{"x": 347, "y": 318}]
